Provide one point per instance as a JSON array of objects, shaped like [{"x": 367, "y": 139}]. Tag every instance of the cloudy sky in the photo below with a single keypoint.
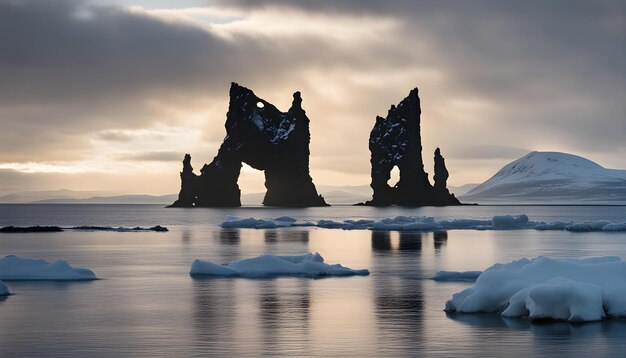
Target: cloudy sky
[{"x": 109, "y": 95}]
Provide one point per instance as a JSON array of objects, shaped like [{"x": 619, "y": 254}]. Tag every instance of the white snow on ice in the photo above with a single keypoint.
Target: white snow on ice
[
  {"x": 427, "y": 223},
  {"x": 544, "y": 288},
  {"x": 307, "y": 265},
  {"x": 17, "y": 268},
  {"x": 4, "y": 290}
]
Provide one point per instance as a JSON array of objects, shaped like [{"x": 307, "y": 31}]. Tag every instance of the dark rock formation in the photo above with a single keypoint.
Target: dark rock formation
[
  {"x": 396, "y": 141},
  {"x": 187, "y": 194},
  {"x": 442, "y": 195},
  {"x": 17, "y": 229},
  {"x": 157, "y": 228},
  {"x": 260, "y": 135}
]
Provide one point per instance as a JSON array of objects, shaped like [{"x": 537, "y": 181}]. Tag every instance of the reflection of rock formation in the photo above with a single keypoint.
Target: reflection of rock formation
[
  {"x": 398, "y": 298},
  {"x": 284, "y": 314},
  {"x": 407, "y": 241},
  {"x": 381, "y": 240},
  {"x": 410, "y": 241},
  {"x": 396, "y": 141},
  {"x": 214, "y": 316},
  {"x": 229, "y": 236},
  {"x": 274, "y": 236},
  {"x": 440, "y": 239},
  {"x": 257, "y": 134}
]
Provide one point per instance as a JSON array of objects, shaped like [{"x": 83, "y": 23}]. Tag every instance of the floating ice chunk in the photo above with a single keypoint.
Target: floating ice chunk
[
  {"x": 587, "y": 226},
  {"x": 427, "y": 223},
  {"x": 554, "y": 225},
  {"x": 4, "y": 290},
  {"x": 558, "y": 298},
  {"x": 307, "y": 265},
  {"x": 568, "y": 289},
  {"x": 288, "y": 219},
  {"x": 248, "y": 223},
  {"x": 509, "y": 221},
  {"x": 17, "y": 268},
  {"x": 457, "y": 275},
  {"x": 615, "y": 227},
  {"x": 331, "y": 224},
  {"x": 465, "y": 224}
]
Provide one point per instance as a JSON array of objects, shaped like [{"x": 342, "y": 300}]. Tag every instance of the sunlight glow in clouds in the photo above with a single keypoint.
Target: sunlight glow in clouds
[{"x": 126, "y": 86}]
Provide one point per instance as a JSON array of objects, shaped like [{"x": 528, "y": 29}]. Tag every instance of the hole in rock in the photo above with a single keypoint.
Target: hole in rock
[
  {"x": 252, "y": 185},
  {"x": 394, "y": 177}
]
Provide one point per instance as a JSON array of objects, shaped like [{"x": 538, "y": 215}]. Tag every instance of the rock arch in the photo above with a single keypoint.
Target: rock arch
[
  {"x": 260, "y": 135},
  {"x": 396, "y": 141}
]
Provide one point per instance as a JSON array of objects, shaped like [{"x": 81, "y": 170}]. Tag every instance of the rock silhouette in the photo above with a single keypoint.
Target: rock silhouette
[
  {"x": 260, "y": 135},
  {"x": 396, "y": 141}
]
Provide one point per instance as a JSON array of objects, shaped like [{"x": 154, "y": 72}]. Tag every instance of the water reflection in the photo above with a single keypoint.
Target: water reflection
[
  {"x": 270, "y": 236},
  {"x": 410, "y": 241},
  {"x": 614, "y": 327},
  {"x": 441, "y": 239},
  {"x": 229, "y": 236},
  {"x": 284, "y": 315},
  {"x": 213, "y": 314},
  {"x": 381, "y": 241},
  {"x": 273, "y": 236},
  {"x": 186, "y": 237},
  {"x": 398, "y": 298}
]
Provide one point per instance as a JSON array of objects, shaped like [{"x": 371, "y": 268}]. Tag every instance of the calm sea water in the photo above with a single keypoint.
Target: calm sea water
[{"x": 147, "y": 305}]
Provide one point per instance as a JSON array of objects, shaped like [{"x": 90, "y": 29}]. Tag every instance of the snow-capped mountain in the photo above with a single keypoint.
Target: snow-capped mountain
[{"x": 552, "y": 177}]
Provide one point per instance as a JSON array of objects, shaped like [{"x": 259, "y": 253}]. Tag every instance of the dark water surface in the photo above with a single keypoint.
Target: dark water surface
[{"x": 147, "y": 305}]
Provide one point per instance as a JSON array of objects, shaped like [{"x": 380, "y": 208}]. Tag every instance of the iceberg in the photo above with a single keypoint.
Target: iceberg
[
  {"x": 4, "y": 290},
  {"x": 510, "y": 221},
  {"x": 576, "y": 290},
  {"x": 307, "y": 265},
  {"x": 16, "y": 268},
  {"x": 427, "y": 223}
]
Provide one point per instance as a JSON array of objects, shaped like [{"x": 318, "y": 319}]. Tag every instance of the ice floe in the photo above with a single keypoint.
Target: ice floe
[
  {"x": 428, "y": 223},
  {"x": 17, "y": 268},
  {"x": 4, "y": 290},
  {"x": 544, "y": 288},
  {"x": 307, "y": 265}
]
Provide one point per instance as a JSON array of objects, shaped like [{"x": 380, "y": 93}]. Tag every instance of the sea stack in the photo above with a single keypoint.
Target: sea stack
[
  {"x": 260, "y": 135},
  {"x": 395, "y": 141}
]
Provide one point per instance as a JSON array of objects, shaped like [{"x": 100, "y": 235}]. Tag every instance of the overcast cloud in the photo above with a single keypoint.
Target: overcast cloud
[{"x": 93, "y": 87}]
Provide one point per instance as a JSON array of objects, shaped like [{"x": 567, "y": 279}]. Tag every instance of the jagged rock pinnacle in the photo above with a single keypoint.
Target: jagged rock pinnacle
[{"x": 395, "y": 141}]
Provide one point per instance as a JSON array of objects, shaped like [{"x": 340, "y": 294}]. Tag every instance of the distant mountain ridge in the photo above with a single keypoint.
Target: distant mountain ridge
[
  {"x": 116, "y": 199},
  {"x": 335, "y": 195},
  {"x": 552, "y": 177}
]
